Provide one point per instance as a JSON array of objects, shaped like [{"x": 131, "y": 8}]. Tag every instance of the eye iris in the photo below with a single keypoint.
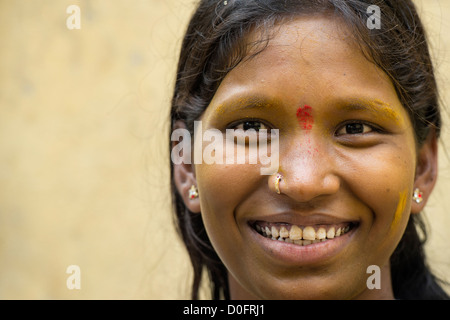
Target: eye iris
[
  {"x": 252, "y": 125},
  {"x": 354, "y": 128}
]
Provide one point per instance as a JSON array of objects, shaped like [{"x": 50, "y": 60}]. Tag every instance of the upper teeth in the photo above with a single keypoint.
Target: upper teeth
[{"x": 301, "y": 235}]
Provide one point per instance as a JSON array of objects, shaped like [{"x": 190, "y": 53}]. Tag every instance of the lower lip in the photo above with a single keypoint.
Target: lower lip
[{"x": 292, "y": 254}]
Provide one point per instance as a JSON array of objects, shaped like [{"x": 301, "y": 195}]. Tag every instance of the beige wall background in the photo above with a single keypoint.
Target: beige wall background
[{"x": 83, "y": 163}]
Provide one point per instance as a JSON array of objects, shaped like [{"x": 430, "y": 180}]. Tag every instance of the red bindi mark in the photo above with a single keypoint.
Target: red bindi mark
[
  {"x": 305, "y": 118},
  {"x": 306, "y": 121}
]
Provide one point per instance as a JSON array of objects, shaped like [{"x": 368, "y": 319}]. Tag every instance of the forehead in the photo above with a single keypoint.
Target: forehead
[
  {"x": 307, "y": 32},
  {"x": 318, "y": 41},
  {"x": 306, "y": 54}
]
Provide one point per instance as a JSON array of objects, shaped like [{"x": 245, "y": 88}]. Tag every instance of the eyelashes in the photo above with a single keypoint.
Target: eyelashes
[
  {"x": 356, "y": 127},
  {"x": 350, "y": 133},
  {"x": 352, "y": 127},
  {"x": 250, "y": 124},
  {"x": 247, "y": 130}
]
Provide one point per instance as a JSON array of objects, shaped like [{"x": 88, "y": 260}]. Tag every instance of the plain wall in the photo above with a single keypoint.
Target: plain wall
[{"x": 84, "y": 150}]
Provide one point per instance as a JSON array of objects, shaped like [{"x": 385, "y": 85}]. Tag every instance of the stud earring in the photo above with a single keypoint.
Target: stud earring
[
  {"x": 417, "y": 195},
  {"x": 193, "y": 192}
]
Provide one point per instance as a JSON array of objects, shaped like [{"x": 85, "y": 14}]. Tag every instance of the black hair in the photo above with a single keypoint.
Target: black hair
[{"x": 216, "y": 41}]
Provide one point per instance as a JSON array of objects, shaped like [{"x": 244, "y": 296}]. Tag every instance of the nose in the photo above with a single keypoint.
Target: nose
[{"x": 307, "y": 171}]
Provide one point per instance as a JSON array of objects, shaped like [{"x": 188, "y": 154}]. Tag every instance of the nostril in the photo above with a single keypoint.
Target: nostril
[{"x": 306, "y": 187}]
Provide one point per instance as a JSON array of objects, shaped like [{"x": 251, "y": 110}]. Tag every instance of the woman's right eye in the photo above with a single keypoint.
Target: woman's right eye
[
  {"x": 248, "y": 131},
  {"x": 251, "y": 124}
]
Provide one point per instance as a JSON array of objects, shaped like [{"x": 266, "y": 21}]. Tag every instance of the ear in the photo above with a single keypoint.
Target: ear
[
  {"x": 426, "y": 171},
  {"x": 183, "y": 171}
]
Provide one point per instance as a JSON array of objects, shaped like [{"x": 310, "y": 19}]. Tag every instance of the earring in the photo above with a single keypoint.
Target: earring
[
  {"x": 277, "y": 183},
  {"x": 193, "y": 192},
  {"x": 417, "y": 195}
]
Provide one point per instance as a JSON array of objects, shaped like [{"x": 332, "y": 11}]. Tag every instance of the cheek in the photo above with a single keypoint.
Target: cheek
[
  {"x": 401, "y": 211},
  {"x": 222, "y": 189},
  {"x": 385, "y": 188}
]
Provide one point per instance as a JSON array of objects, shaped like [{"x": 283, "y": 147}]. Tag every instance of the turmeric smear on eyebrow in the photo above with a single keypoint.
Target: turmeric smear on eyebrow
[
  {"x": 400, "y": 208},
  {"x": 388, "y": 109},
  {"x": 378, "y": 105}
]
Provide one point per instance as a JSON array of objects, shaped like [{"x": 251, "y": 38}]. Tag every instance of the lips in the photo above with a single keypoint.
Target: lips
[{"x": 299, "y": 240}]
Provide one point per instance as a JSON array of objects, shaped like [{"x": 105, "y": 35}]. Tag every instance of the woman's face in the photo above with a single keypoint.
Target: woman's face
[{"x": 347, "y": 158}]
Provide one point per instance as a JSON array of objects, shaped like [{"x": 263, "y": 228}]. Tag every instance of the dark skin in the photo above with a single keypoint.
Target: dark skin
[{"x": 355, "y": 161}]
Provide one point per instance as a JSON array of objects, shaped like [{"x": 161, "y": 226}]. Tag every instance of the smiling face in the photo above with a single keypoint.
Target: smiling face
[{"x": 347, "y": 158}]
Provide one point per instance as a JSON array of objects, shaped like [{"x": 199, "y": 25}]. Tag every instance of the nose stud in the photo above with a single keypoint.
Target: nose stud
[{"x": 277, "y": 183}]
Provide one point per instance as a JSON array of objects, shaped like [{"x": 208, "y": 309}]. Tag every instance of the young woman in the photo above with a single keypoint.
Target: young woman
[{"x": 348, "y": 89}]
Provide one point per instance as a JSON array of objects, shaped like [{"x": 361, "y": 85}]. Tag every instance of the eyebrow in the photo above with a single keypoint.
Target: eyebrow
[
  {"x": 375, "y": 106},
  {"x": 248, "y": 103}
]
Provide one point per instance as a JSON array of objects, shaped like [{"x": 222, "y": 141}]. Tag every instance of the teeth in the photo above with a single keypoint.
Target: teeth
[
  {"x": 284, "y": 232},
  {"x": 309, "y": 233},
  {"x": 274, "y": 232},
  {"x": 331, "y": 233},
  {"x": 296, "y": 235},
  {"x": 321, "y": 233}
]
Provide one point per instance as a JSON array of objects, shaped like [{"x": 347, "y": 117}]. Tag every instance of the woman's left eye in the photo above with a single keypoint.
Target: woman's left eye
[
  {"x": 355, "y": 128},
  {"x": 251, "y": 124}
]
